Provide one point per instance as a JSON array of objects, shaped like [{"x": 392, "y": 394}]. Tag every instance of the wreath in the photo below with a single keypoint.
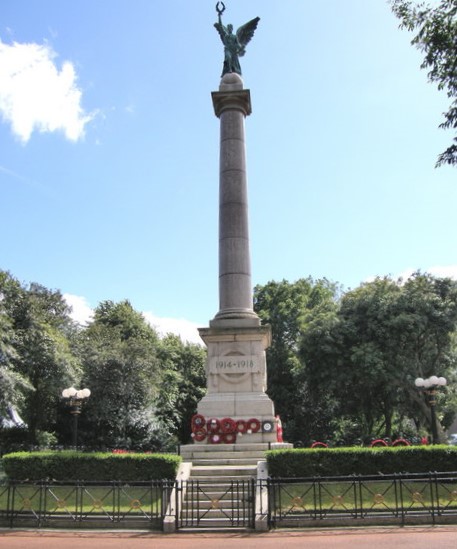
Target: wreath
[
  {"x": 253, "y": 425},
  {"x": 214, "y": 438},
  {"x": 378, "y": 442},
  {"x": 213, "y": 425},
  {"x": 228, "y": 425},
  {"x": 400, "y": 442},
  {"x": 229, "y": 438},
  {"x": 241, "y": 426},
  {"x": 199, "y": 435},
  {"x": 198, "y": 421},
  {"x": 226, "y": 429},
  {"x": 318, "y": 444}
]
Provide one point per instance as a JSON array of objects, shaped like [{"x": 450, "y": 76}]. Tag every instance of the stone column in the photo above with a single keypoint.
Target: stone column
[
  {"x": 232, "y": 104},
  {"x": 236, "y": 367}
]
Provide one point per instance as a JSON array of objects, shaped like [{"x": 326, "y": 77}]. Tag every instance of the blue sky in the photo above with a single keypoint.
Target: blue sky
[{"x": 109, "y": 149}]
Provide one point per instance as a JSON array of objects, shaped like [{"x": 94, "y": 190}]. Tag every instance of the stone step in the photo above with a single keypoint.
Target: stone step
[
  {"x": 219, "y": 525},
  {"x": 216, "y": 489},
  {"x": 223, "y": 470},
  {"x": 203, "y": 505},
  {"x": 228, "y": 513},
  {"x": 209, "y": 479},
  {"x": 223, "y": 499},
  {"x": 190, "y": 455},
  {"x": 224, "y": 529},
  {"x": 225, "y": 461},
  {"x": 244, "y": 447}
]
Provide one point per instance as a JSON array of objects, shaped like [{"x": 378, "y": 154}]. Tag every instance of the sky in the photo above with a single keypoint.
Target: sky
[{"x": 109, "y": 150}]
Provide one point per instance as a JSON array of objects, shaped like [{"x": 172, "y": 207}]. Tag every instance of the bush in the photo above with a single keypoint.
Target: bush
[
  {"x": 45, "y": 440},
  {"x": 72, "y": 465},
  {"x": 307, "y": 462},
  {"x": 13, "y": 439}
]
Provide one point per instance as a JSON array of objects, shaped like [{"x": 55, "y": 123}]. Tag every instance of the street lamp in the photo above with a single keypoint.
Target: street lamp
[
  {"x": 429, "y": 387},
  {"x": 75, "y": 398}
]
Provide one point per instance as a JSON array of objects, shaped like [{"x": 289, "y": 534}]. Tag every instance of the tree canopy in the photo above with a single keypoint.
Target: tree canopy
[
  {"x": 144, "y": 390},
  {"x": 341, "y": 365},
  {"x": 384, "y": 335},
  {"x": 436, "y": 36},
  {"x": 287, "y": 307}
]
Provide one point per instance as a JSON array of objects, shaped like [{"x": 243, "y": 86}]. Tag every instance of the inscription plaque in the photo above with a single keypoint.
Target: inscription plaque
[{"x": 234, "y": 365}]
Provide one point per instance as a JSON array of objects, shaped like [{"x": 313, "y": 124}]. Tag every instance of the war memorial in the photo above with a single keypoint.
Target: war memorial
[
  {"x": 235, "y": 422},
  {"x": 236, "y": 409},
  {"x": 221, "y": 480}
]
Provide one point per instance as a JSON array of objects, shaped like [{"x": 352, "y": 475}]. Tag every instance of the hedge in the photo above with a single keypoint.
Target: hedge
[
  {"x": 307, "y": 462},
  {"x": 72, "y": 465}
]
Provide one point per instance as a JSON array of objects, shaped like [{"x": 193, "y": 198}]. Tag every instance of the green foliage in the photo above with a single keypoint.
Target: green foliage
[
  {"x": 122, "y": 370},
  {"x": 436, "y": 28},
  {"x": 12, "y": 383},
  {"x": 287, "y": 308},
  {"x": 121, "y": 318},
  {"x": 183, "y": 384},
  {"x": 338, "y": 367},
  {"x": 144, "y": 390},
  {"x": 384, "y": 335},
  {"x": 70, "y": 465},
  {"x": 13, "y": 439},
  {"x": 46, "y": 440},
  {"x": 42, "y": 360},
  {"x": 362, "y": 461}
]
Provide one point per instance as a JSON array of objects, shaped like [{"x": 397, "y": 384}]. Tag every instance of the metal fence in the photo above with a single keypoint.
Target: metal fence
[
  {"x": 318, "y": 501},
  {"x": 391, "y": 499},
  {"x": 96, "y": 504}
]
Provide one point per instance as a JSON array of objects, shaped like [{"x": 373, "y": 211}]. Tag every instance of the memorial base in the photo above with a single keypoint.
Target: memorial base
[{"x": 236, "y": 374}]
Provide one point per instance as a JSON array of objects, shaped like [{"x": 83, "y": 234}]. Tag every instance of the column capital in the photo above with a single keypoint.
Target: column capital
[{"x": 239, "y": 100}]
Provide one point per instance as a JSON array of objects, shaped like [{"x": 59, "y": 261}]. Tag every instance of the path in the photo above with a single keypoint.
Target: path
[{"x": 443, "y": 537}]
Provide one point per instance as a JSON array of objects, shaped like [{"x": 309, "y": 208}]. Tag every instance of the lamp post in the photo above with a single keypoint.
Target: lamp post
[
  {"x": 429, "y": 386},
  {"x": 75, "y": 398}
]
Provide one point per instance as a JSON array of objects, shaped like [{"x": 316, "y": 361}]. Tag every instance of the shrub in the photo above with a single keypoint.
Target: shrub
[
  {"x": 307, "y": 462},
  {"x": 72, "y": 465},
  {"x": 13, "y": 439}
]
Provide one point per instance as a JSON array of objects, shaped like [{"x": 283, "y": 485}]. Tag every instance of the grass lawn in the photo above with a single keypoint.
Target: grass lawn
[
  {"x": 299, "y": 498},
  {"x": 106, "y": 500}
]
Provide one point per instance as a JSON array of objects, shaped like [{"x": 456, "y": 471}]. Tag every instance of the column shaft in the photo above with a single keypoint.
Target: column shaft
[{"x": 235, "y": 285}]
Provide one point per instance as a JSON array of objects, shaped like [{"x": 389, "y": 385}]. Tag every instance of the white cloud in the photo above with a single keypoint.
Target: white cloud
[
  {"x": 81, "y": 310},
  {"x": 187, "y": 330},
  {"x": 36, "y": 95},
  {"x": 449, "y": 271}
]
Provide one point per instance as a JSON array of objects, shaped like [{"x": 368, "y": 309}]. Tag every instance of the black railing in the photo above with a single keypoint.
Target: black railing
[
  {"x": 429, "y": 498},
  {"x": 401, "y": 498},
  {"x": 70, "y": 504}
]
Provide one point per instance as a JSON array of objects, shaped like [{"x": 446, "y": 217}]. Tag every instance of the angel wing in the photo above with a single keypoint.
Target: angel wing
[{"x": 246, "y": 32}]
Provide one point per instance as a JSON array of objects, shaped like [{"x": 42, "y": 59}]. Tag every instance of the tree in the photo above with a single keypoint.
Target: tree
[
  {"x": 12, "y": 384},
  {"x": 384, "y": 335},
  {"x": 436, "y": 36},
  {"x": 287, "y": 307},
  {"x": 183, "y": 385},
  {"x": 36, "y": 354},
  {"x": 45, "y": 357},
  {"x": 122, "y": 370}
]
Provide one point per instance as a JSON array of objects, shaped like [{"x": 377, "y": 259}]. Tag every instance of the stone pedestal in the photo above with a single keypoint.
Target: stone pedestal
[{"x": 237, "y": 380}]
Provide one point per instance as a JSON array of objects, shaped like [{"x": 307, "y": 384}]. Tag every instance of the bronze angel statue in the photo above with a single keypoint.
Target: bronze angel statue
[{"x": 234, "y": 44}]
